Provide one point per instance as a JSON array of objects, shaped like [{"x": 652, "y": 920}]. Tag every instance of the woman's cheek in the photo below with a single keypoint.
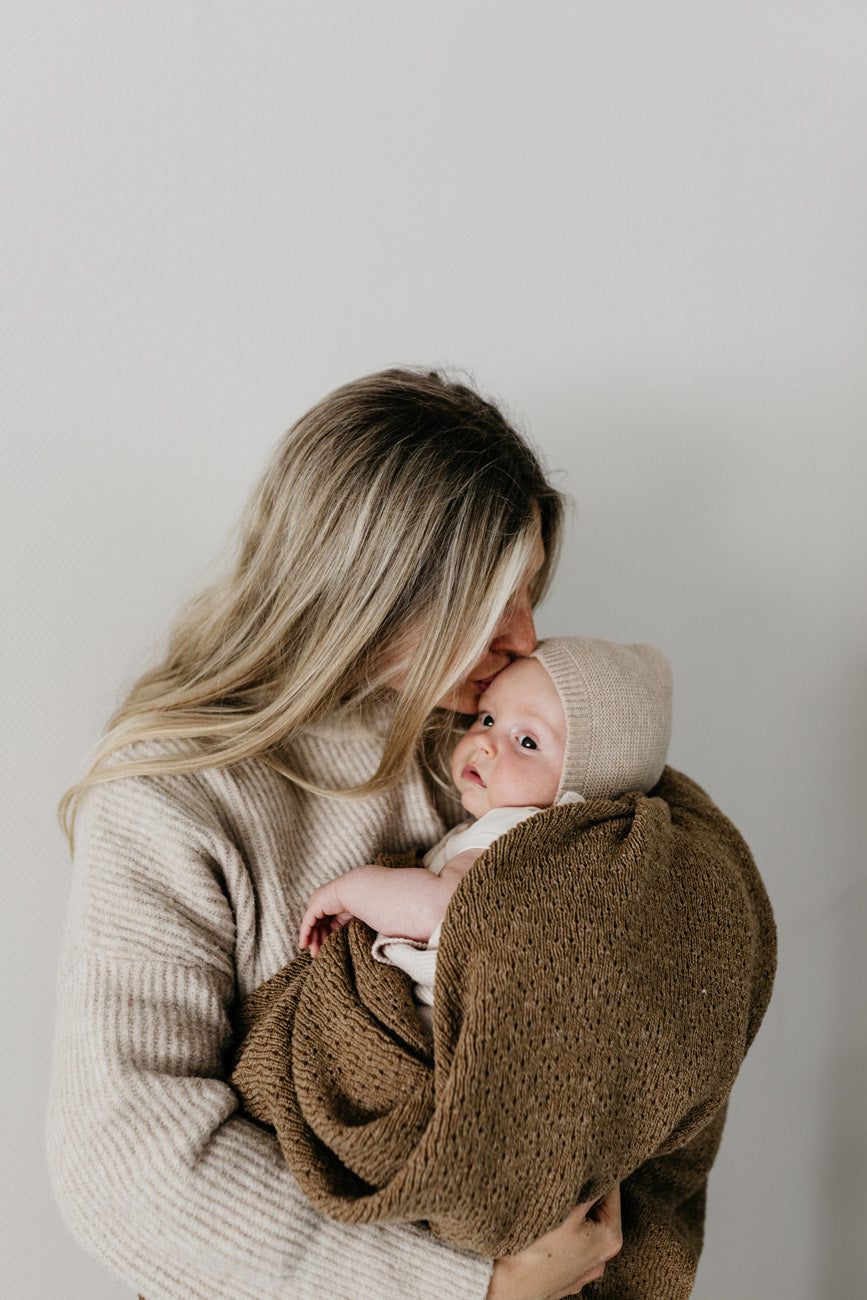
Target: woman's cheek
[{"x": 461, "y": 699}]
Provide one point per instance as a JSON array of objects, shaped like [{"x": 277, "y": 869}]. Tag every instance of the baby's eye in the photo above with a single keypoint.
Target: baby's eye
[
  {"x": 527, "y": 742},
  {"x": 486, "y": 720}
]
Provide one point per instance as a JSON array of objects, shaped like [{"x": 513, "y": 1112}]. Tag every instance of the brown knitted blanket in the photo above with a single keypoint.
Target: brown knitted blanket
[{"x": 602, "y": 971}]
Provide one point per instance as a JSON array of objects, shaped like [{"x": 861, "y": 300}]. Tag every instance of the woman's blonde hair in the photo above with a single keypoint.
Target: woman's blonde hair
[{"x": 391, "y": 528}]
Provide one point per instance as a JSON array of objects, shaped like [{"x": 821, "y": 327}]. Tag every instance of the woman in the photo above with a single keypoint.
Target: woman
[{"x": 388, "y": 566}]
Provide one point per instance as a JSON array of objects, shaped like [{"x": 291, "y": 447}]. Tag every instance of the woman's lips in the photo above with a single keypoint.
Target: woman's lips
[
  {"x": 470, "y": 774},
  {"x": 496, "y": 663}
]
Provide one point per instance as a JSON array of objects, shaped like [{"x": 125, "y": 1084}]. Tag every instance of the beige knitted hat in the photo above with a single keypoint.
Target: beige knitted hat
[{"x": 617, "y": 701}]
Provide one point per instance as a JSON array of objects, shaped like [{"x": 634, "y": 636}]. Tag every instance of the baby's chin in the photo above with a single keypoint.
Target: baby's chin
[{"x": 475, "y": 801}]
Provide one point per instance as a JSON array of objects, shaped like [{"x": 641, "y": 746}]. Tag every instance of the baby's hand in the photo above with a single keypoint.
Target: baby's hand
[
  {"x": 405, "y": 901},
  {"x": 325, "y": 914}
]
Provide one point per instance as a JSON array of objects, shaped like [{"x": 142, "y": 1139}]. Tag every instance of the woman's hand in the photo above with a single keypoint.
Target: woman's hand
[{"x": 565, "y": 1259}]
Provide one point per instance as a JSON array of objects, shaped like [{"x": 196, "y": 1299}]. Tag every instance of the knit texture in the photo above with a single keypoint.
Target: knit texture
[
  {"x": 617, "y": 703},
  {"x": 591, "y": 1014},
  {"x": 188, "y": 892}
]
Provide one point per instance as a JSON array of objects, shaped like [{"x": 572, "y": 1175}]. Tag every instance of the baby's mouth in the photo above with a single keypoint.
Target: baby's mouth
[{"x": 470, "y": 774}]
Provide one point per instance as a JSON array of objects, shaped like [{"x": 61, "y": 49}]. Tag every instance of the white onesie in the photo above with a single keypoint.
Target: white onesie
[{"x": 417, "y": 958}]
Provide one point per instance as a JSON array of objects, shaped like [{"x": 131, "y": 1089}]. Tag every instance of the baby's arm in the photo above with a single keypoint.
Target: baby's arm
[{"x": 405, "y": 901}]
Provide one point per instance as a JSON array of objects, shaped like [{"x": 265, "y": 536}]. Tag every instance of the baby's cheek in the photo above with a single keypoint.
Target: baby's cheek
[{"x": 458, "y": 759}]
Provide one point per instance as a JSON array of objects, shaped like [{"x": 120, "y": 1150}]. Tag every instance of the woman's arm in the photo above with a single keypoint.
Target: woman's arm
[{"x": 154, "y": 1169}]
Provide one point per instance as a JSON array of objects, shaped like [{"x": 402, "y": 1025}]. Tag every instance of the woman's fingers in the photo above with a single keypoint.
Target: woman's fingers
[{"x": 565, "y": 1259}]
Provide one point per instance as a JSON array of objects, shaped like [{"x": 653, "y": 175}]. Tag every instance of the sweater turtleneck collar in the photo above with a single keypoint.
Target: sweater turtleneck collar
[{"x": 372, "y": 717}]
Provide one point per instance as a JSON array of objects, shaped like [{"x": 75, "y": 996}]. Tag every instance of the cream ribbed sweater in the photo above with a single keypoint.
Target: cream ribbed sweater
[{"x": 188, "y": 893}]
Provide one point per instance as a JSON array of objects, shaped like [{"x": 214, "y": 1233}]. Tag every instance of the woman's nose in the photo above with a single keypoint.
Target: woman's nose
[{"x": 516, "y": 634}]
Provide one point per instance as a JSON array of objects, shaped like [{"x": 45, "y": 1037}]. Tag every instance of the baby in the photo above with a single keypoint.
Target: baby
[{"x": 580, "y": 719}]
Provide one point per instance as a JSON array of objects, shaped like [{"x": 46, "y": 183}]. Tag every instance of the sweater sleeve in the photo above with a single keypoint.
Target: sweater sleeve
[{"x": 155, "y": 1171}]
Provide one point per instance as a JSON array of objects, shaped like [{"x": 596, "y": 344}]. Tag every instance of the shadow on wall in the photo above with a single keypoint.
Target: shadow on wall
[{"x": 843, "y": 1201}]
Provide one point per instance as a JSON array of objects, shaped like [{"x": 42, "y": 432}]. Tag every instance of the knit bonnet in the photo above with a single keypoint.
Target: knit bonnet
[{"x": 617, "y": 701}]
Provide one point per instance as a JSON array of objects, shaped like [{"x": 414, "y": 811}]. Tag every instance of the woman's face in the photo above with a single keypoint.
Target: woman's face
[{"x": 515, "y": 636}]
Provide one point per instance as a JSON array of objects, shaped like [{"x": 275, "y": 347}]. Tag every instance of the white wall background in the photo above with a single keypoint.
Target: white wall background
[{"x": 639, "y": 224}]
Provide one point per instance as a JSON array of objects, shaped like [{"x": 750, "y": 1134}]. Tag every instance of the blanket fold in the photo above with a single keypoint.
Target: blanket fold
[{"x": 602, "y": 970}]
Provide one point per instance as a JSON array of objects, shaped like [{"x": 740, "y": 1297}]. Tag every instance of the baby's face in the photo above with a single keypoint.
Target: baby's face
[{"x": 512, "y": 755}]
